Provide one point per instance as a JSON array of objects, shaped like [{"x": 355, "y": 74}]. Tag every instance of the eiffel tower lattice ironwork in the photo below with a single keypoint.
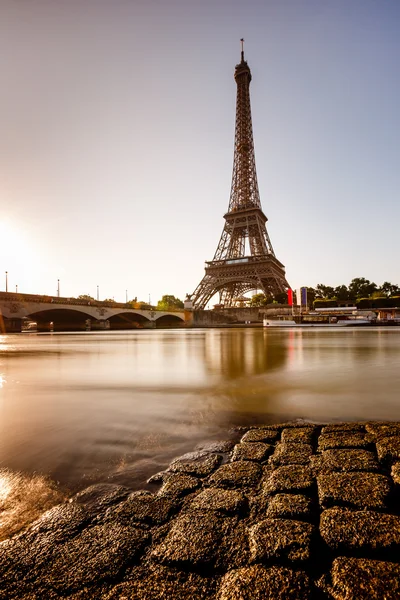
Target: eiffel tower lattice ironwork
[{"x": 238, "y": 267}]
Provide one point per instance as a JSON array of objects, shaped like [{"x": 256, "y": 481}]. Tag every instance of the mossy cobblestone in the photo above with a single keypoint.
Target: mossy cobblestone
[{"x": 292, "y": 511}]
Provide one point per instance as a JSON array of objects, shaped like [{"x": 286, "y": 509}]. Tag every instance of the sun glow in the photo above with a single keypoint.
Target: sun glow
[
  {"x": 11, "y": 240},
  {"x": 16, "y": 253}
]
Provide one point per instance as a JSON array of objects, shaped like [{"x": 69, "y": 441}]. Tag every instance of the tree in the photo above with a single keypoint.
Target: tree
[
  {"x": 342, "y": 293},
  {"x": 259, "y": 300},
  {"x": 85, "y": 297},
  {"x": 131, "y": 303},
  {"x": 361, "y": 288},
  {"x": 281, "y": 298},
  {"x": 169, "y": 303},
  {"x": 311, "y": 294},
  {"x": 389, "y": 289},
  {"x": 142, "y": 305},
  {"x": 324, "y": 291}
]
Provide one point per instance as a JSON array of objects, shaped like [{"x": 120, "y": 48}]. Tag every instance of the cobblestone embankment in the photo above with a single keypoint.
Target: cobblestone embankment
[{"x": 292, "y": 511}]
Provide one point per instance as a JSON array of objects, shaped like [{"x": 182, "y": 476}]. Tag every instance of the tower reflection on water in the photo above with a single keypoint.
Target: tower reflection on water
[
  {"x": 234, "y": 353},
  {"x": 246, "y": 362}
]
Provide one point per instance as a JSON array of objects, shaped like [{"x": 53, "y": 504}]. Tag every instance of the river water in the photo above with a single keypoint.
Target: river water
[{"x": 118, "y": 406}]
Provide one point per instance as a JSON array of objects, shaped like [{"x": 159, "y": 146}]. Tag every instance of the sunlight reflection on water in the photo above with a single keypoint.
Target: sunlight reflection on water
[{"x": 22, "y": 499}]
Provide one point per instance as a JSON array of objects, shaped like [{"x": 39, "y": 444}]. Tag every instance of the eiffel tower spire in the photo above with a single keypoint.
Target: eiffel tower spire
[{"x": 244, "y": 259}]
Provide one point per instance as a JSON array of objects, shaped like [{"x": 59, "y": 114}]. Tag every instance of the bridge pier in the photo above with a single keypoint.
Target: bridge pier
[
  {"x": 97, "y": 325},
  {"x": 11, "y": 325}
]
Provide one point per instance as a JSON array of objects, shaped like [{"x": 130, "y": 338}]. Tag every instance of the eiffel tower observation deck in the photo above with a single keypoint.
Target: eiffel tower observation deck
[{"x": 244, "y": 259}]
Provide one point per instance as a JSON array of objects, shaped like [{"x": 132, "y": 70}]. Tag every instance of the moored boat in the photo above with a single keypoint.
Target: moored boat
[{"x": 311, "y": 320}]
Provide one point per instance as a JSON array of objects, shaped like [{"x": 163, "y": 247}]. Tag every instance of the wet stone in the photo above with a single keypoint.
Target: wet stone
[
  {"x": 344, "y": 439},
  {"x": 193, "y": 539},
  {"x": 178, "y": 485},
  {"x": 96, "y": 592},
  {"x": 191, "y": 456},
  {"x": 260, "y": 583},
  {"x": 101, "y": 496},
  {"x": 303, "y": 435},
  {"x": 261, "y": 435},
  {"x": 368, "y": 530},
  {"x": 289, "y": 506},
  {"x": 363, "y": 579},
  {"x": 154, "y": 582},
  {"x": 219, "y": 500},
  {"x": 395, "y": 473},
  {"x": 94, "y": 555},
  {"x": 381, "y": 430},
  {"x": 222, "y": 446},
  {"x": 256, "y": 451},
  {"x": 59, "y": 524},
  {"x": 233, "y": 551},
  {"x": 388, "y": 449},
  {"x": 358, "y": 490},
  {"x": 141, "y": 507},
  {"x": 200, "y": 468},
  {"x": 294, "y": 478},
  {"x": 346, "y": 460},
  {"x": 236, "y": 474},
  {"x": 280, "y": 539},
  {"x": 339, "y": 427},
  {"x": 298, "y": 424},
  {"x": 291, "y": 453},
  {"x": 158, "y": 477}
]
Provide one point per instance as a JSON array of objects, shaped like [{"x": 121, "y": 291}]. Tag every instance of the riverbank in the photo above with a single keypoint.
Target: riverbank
[{"x": 290, "y": 511}]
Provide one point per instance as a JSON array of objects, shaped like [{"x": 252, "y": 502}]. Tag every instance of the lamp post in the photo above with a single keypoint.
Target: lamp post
[
  {"x": 16, "y": 289},
  {"x": 97, "y": 293},
  {"x": 6, "y": 281},
  {"x": 58, "y": 287},
  {"x": 126, "y": 296}
]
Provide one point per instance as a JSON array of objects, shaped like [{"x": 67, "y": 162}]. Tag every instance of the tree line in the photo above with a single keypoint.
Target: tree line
[
  {"x": 167, "y": 302},
  {"x": 358, "y": 289}
]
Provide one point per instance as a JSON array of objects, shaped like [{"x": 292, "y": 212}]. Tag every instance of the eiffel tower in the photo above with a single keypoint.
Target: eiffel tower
[{"x": 238, "y": 267}]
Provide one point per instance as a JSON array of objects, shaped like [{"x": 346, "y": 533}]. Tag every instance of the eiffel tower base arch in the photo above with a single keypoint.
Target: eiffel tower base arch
[{"x": 233, "y": 279}]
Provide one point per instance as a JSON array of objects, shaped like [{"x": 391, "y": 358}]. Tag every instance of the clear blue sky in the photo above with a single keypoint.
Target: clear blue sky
[{"x": 117, "y": 128}]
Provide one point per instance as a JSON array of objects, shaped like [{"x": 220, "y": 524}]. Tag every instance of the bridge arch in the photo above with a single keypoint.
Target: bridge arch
[
  {"x": 169, "y": 320},
  {"x": 60, "y": 319},
  {"x": 128, "y": 320}
]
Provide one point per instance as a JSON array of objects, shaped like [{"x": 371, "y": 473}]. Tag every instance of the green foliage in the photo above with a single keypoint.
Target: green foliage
[
  {"x": 360, "y": 292},
  {"x": 281, "y": 298},
  {"x": 141, "y": 305},
  {"x": 364, "y": 303},
  {"x": 169, "y": 303},
  {"x": 361, "y": 288},
  {"x": 342, "y": 293},
  {"x": 385, "y": 302},
  {"x": 325, "y": 303},
  {"x": 324, "y": 291},
  {"x": 311, "y": 293},
  {"x": 389, "y": 289},
  {"x": 85, "y": 297},
  {"x": 260, "y": 300}
]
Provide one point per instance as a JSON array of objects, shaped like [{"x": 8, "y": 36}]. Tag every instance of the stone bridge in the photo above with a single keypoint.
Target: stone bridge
[{"x": 52, "y": 313}]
